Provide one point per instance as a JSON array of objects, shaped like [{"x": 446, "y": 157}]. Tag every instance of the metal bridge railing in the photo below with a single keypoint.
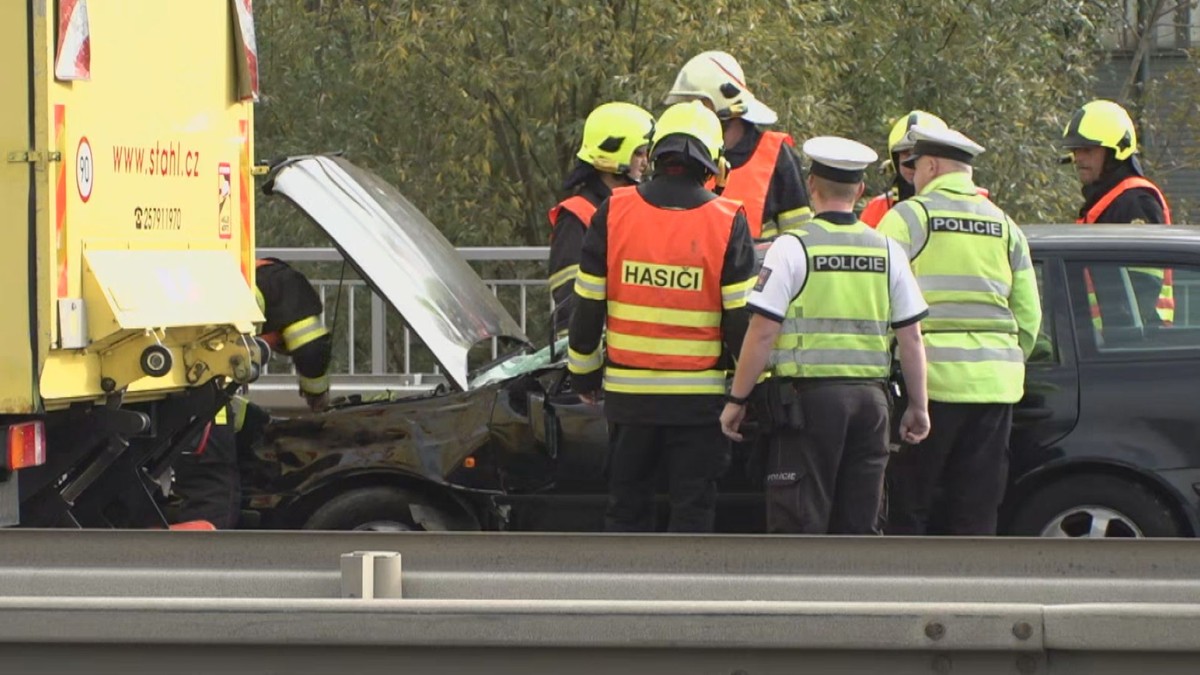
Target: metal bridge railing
[{"x": 378, "y": 332}]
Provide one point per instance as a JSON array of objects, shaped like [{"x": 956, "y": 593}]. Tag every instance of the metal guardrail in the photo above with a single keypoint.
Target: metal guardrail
[{"x": 514, "y": 603}]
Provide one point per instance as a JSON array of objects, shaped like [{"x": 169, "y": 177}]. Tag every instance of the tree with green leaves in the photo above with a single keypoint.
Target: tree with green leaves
[{"x": 474, "y": 107}]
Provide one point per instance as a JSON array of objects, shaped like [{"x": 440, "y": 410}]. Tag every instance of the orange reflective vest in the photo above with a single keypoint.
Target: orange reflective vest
[
  {"x": 578, "y": 205},
  {"x": 1131, "y": 183},
  {"x": 750, "y": 182},
  {"x": 664, "y": 286},
  {"x": 875, "y": 209},
  {"x": 1166, "y": 298}
]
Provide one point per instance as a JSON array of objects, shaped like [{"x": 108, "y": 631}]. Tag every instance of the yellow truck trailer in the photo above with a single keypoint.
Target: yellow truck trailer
[{"x": 128, "y": 258}]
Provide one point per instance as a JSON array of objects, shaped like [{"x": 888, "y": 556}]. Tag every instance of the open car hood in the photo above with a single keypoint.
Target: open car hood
[{"x": 401, "y": 255}]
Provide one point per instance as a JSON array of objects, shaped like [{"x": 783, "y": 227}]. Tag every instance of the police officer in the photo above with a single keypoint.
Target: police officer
[
  {"x": 902, "y": 187},
  {"x": 616, "y": 137},
  {"x": 1103, "y": 145},
  {"x": 972, "y": 263},
  {"x": 664, "y": 275},
  {"x": 765, "y": 173},
  {"x": 827, "y": 301},
  {"x": 207, "y": 480}
]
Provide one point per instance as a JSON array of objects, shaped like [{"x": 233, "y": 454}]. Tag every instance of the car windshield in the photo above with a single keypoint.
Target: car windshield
[{"x": 520, "y": 365}]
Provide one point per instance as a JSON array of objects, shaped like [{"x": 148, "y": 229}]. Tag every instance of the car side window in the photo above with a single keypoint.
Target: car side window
[
  {"x": 1137, "y": 307},
  {"x": 1045, "y": 349}
]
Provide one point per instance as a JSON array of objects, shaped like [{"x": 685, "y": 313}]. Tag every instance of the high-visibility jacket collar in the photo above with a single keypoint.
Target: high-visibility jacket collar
[{"x": 958, "y": 182}]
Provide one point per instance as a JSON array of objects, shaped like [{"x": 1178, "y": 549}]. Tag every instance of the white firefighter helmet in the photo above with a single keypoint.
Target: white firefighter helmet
[{"x": 717, "y": 78}]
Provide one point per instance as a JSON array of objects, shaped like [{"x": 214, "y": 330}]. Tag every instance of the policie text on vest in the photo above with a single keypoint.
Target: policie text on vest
[
  {"x": 849, "y": 263},
  {"x": 991, "y": 229}
]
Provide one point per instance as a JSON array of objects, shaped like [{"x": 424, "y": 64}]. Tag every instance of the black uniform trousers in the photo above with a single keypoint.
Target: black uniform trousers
[
  {"x": 826, "y": 476},
  {"x": 693, "y": 457},
  {"x": 953, "y": 481},
  {"x": 209, "y": 484}
]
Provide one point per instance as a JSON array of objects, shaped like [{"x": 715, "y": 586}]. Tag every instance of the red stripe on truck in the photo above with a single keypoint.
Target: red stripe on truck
[{"x": 244, "y": 199}]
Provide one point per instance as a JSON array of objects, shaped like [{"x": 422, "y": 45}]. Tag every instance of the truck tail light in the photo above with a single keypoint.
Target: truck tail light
[{"x": 26, "y": 445}]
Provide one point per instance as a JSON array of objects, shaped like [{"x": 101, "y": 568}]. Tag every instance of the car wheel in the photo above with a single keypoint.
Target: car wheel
[
  {"x": 376, "y": 509},
  {"x": 1094, "y": 506}
]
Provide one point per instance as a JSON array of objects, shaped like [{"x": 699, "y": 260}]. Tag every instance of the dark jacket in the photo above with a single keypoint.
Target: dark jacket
[
  {"x": 1138, "y": 205},
  {"x": 288, "y": 298},
  {"x": 566, "y": 241}
]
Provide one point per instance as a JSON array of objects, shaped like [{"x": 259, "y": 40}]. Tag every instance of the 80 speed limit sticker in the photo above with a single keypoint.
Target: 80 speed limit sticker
[{"x": 85, "y": 169}]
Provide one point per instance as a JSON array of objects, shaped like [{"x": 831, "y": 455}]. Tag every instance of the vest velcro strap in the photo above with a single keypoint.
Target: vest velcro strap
[
  {"x": 974, "y": 355},
  {"x": 637, "y": 381},
  {"x": 303, "y": 332},
  {"x": 802, "y": 326},
  {"x": 663, "y": 316},
  {"x": 963, "y": 283},
  {"x": 590, "y": 286}
]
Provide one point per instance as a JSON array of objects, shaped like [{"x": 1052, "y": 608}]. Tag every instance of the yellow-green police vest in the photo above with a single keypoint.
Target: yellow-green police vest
[
  {"x": 963, "y": 256},
  {"x": 838, "y": 325}
]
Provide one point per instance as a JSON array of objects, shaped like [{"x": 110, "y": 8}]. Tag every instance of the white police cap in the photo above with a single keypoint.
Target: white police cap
[
  {"x": 839, "y": 159},
  {"x": 947, "y": 143}
]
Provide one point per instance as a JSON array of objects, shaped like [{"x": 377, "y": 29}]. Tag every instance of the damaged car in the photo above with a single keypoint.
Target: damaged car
[{"x": 510, "y": 447}]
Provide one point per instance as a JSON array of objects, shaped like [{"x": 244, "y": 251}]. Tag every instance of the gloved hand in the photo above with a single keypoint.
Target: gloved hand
[{"x": 318, "y": 402}]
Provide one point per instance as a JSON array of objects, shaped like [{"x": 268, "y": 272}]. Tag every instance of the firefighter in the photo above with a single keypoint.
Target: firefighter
[
  {"x": 972, "y": 263},
  {"x": 207, "y": 481},
  {"x": 827, "y": 301},
  {"x": 613, "y": 153},
  {"x": 664, "y": 275},
  {"x": 294, "y": 327},
  {"x": 902, "y": 187},
  {"x": 1103, "y": 145},
  {"x": 765, "y": 171}
]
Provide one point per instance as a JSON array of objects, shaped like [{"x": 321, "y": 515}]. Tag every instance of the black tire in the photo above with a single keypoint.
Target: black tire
[
  {"x": 1084, "y": 498},
  {"x": 376, "y": 509}
]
